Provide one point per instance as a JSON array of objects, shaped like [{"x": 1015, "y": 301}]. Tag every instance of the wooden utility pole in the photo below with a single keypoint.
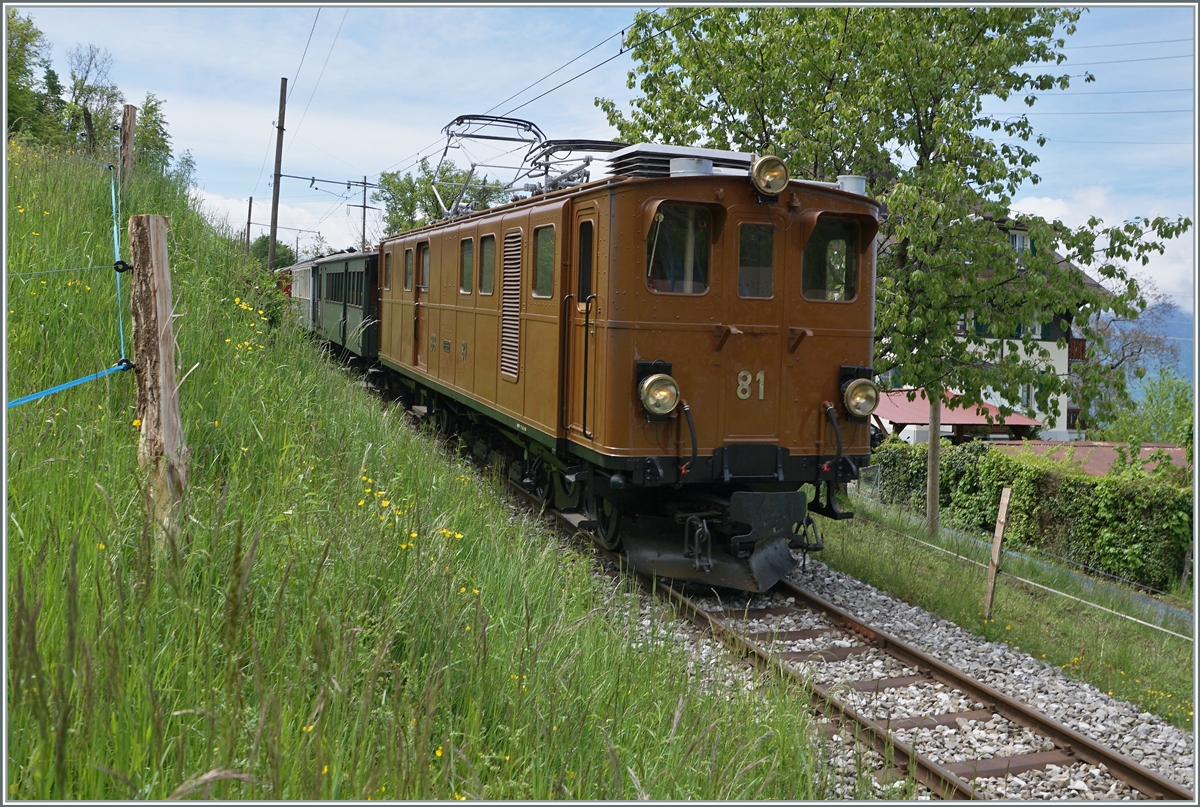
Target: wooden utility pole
[
  {"x": 161, "y": 447},
  {"x": 249, "y": 213},
  {"x": 997, "y": 542},
  {"x": 128, "y": 129},
  {"x": 278, "y": 166}
]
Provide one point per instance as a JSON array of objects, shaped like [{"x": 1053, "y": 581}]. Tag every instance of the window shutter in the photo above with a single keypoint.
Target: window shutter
[{"x": 510, "y": 306}]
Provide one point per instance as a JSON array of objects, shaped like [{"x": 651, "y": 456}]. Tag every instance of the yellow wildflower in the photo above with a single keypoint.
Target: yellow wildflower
[
  {"x": 361, "y": 502},
  {"x": 438, "y": 752},
  {"x": 325, "y": 770},
  {"x": 137, "y": 421}
]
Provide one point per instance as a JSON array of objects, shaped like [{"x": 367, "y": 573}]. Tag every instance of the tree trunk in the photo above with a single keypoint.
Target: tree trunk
[
  {"x": 934, "y": 464},
  {"x": 89, "y": 129}
]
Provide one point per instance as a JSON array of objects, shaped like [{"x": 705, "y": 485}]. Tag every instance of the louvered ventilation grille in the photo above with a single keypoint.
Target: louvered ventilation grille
[{"x": 510, "y": 307}]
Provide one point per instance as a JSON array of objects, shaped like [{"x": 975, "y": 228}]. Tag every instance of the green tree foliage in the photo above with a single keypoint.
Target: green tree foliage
[
  {"x": 897, "y": 94},
  {"x": 410, "y": 201},
  {"x": 1164, "y": 416},
  {"x": 26, "y": 46},
  {"x": 284, "y": 255},
  {"x": 35, "y": 106},
  {"x": 151, "y": 141}
]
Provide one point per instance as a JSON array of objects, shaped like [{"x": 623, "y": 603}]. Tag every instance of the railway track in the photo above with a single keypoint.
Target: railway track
[{"x": 919, "y": 713}]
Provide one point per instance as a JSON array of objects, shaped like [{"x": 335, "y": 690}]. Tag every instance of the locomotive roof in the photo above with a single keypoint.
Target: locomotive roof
[{"x": 794, "y": 184}]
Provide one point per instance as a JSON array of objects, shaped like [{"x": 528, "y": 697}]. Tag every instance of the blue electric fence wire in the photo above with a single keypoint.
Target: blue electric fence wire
[
  {"x": 124, "y": 364},
  {"x": 116, "y": 260}
]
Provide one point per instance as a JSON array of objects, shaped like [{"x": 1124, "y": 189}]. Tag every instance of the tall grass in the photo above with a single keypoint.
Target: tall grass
[
  {"x": 348, "y": 611},
  {"x": 1129, "y": 661}
]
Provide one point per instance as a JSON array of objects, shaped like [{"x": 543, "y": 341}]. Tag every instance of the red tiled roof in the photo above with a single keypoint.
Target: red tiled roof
[
  {"x": 1094, "y": 459},
  {"x": 895, "y": 406}
]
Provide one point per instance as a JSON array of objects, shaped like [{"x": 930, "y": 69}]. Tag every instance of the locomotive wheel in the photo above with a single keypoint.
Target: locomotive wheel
[{"x": 608, "y": 521}]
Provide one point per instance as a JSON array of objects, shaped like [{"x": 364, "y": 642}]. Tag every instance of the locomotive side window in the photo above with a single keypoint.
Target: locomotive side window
[
  {"x": 466, "y": 265},
  {"x": 831, "y": 260},
  {"x": 408, "y": 270},
  {"x": 585, "y": 260},
  {"x": 756, "y": 260},
  {"x": 487, "y": 264},
  {"x": 423, "y": 276},
  {"x": 543, "y": 262},
  {"x": 387, "y": 271},
  {"x": 677, "y": 250}
]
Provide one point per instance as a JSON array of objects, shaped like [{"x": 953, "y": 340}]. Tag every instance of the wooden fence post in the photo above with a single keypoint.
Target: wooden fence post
[
  {"x": 997, "y": 542},
  {"x": 161, "y": 446},
  {"x": 128, "y": 128}
]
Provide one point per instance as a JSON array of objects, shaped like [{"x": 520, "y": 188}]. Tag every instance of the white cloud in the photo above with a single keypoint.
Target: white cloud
[{"x": 1173, "y": 272}]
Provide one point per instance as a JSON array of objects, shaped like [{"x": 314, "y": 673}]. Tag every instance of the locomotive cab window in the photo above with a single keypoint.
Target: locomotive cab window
[
  {"x": 543, "y": 262},
  {"x": 466, "y": 265},
  {"x": 487, "y": 264},
  {"x": 408, "y": 270},
  {"x": 677, "y": 249},
  {"x": 831, "y": 260},
  {"x": 756, "y": 260}
]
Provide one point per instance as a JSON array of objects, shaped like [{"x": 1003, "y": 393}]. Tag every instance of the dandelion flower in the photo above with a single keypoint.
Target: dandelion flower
[
  {"x": 237, "y": 299},
  {"x": 462, "y": 590},
  {"x": 438, "y": 752},
  {"x": 137, "y": 421}
]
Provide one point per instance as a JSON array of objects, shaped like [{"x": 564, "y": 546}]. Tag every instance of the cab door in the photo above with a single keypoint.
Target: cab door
[
  {"x": 579, "y": 315},
  {"x": 420, "y": 303},
  {"x": 752, "y": 281}
]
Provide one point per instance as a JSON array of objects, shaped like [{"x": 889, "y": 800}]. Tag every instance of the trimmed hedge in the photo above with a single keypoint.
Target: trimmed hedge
[{"x": 1128, "y": 524}]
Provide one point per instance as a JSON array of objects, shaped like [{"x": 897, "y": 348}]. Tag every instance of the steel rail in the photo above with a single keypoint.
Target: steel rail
[{"x": 1143, "y": 779}]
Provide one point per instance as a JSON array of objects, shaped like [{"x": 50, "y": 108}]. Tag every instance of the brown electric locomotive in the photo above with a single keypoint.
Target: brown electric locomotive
[{"x": 673, "y": 350}]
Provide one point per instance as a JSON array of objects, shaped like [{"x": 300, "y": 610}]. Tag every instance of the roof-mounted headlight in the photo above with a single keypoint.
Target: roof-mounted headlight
[
  {"x": 861, "y": 396},
  {"x": 659, "y": 394},
  {"x": 769, "y": 175}
]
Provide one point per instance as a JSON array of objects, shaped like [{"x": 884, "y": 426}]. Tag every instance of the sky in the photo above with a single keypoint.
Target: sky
[{"x": 370, "y": 88}]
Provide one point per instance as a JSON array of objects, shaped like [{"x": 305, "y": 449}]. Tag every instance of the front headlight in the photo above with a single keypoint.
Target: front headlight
[
  {"x": 861, "y": 397},
  {"x": 769, "y": 175},
  {"x": 659, "y": 394}
]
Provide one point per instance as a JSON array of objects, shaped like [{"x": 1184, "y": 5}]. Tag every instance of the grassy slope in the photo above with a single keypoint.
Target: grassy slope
[{"x": 349, "y": 612}]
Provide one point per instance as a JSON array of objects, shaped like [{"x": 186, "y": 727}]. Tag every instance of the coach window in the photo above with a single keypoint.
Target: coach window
[
  {"x": 543, "y": 262},
  {"x": 487, "y": 263},
  {"x": 831, "y": 260},
  {"x": 423, "y": 270},
  {"x": 677, "y": 249},
  {"x": 466, "y": 260},
  {"x": 387, "y": 271},
  {"x": 756, "y": 258},
  {"x": 408, "y": 270}
]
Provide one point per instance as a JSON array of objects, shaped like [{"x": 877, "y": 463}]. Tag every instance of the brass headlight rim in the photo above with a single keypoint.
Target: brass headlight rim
[
  {"x": 759, "y": 164},
  {"x": 855, "y": 384},
  {"x": 644, "y": 386}
]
